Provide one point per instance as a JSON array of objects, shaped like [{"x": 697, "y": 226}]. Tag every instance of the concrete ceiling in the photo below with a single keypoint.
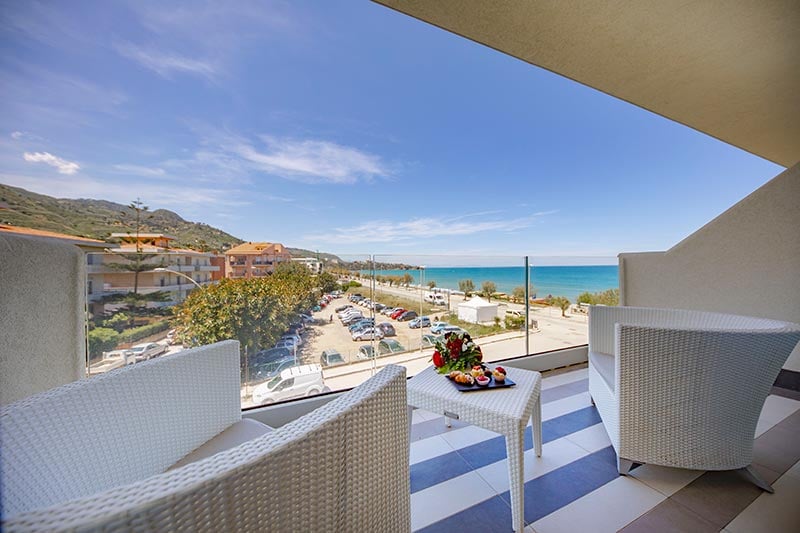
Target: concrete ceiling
[{"x": 728, "y": 68}]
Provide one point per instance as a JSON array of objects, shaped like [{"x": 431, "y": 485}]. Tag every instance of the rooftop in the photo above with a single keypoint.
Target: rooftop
[
  {"x": 256, "y": 247},
  {"x": 52, "y": 234}
]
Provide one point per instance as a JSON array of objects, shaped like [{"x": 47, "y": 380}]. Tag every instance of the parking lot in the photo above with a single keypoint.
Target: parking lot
[{"x": 324, "y": 334}]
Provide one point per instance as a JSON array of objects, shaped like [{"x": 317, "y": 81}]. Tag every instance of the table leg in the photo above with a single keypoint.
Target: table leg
[
  {"x": 516, "y": 476},
  {"x": 536, "y": 427}
]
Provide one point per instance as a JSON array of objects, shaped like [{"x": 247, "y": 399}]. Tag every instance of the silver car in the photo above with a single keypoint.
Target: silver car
[
  {"x": 367, "y": 334},
  {"x": 145, "y": 351}
]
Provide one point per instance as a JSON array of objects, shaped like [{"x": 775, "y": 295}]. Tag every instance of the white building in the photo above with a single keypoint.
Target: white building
[
  {"x": 314, "y": 265},
  {"x": 477, "y": 311}
]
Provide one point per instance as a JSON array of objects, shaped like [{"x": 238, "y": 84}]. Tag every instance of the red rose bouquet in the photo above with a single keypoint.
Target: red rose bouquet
[{"x": 456, "y": 351}]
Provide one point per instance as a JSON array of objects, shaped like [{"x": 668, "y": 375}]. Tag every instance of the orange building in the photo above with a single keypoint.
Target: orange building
[{"x": 254, "y": 259}]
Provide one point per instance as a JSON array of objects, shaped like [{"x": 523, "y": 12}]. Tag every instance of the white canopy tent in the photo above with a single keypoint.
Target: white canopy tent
[{"x": 477, "y": 310}]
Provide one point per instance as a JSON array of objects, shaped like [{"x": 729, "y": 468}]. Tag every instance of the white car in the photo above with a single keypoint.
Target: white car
[
  {"x": 297, "y": 339},
  {"x": 147, "y": 350},
  {"x": 294, "y": 382},
  {"x": 368, "y": 334}
]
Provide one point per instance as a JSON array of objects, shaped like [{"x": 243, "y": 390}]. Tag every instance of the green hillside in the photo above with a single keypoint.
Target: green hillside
[{"x": 97, "y": 219}]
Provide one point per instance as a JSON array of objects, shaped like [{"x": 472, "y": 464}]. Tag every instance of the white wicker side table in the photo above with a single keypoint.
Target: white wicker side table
[{"x": 505, "y": 411}]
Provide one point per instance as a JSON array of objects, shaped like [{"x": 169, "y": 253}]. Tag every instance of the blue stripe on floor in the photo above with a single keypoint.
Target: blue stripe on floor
[
  {"x": 543, "y": 495},
  {"x": 562, "y": 486},
  {"x": 490, "y": 516},
  {"x": 443, "y": 467}
]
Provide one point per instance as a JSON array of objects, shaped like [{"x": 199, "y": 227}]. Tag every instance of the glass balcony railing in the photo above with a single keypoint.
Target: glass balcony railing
[{"x": 303, "y": 333}]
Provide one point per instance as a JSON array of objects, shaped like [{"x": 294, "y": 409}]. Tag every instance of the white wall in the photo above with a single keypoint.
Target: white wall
[
  {"x": 42, "y": 315},
  {"x": 746, "y": 261}
]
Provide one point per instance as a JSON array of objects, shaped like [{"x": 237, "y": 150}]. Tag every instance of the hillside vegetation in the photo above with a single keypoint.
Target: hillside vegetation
[{"x": 97, "y": 219}]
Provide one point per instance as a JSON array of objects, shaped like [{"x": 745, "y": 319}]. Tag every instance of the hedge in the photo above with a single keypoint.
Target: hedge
[
  {"x": 102, "y": 340},
  {"x": 135, "y": 334}
]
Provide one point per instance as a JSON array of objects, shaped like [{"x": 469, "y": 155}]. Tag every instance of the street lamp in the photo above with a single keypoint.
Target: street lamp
[{"x": 181, "y": 274}]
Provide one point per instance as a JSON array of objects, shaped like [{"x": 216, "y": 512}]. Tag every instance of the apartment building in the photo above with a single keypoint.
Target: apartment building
[
  {"x": 312, "y": 263},
  {"x": 176, "y": 271},
  {"x": 254, "y": 259}
]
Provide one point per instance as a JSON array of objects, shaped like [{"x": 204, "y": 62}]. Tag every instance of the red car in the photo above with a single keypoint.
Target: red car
[{"x": 397, "y": 313}]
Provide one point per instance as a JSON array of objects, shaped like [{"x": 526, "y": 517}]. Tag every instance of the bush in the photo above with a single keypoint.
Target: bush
[
  {"x": 609, "y": 297},
  {"x": 515, "y": 322},
  {"x": 102, "y": 340},
  {"x": 117, "y": 321},
  {"x": 135, "y": 334}
]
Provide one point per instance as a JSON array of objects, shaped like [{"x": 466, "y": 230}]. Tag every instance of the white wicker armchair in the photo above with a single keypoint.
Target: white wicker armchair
[
  {"x": 684, "y": 388},
  {"x": 95, "y": 455}
]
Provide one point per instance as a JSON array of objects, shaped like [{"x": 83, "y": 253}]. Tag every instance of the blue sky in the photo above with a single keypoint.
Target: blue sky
[{"x": 344, "y": 127}]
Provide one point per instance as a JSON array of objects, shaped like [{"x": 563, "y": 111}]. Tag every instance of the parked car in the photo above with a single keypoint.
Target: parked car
[
  {"x": 397, "y": 313},
  {"x": 303, "y": 380},
  {"x": 347, "y": 316},
  {"x": 365, "y": 351},
  {"x": 145, "y": 351},
  {"x": 352, "y": 319},
  {"x": 342, "y": 308},
  {"x": 385, "y": 347},
  {"x": 296, "y": 327},
  {"x": 429, "y": 340},
  {"x": 258, "y": 372},
  {"x": 408, "y": 315},
  {"x": 437, "y": 327},
  {"x": 378, "y": 307},
  {"x": 270, "y": 355},
  {"x": 293, "y": 337},
  {"x": 389, "y": 310},
  {"x": 347, "y": 312},
  {"x": 331, "y": 358},
  {"x": 289, "y": 344},
  {"x": 361, "y": 323},
  {"x": 367, "y": 334},
  {"x": 390, "y": 346},
  {"x": 420, "y": 322},
  {"x": 452, "y": 329},
  {"x": 387, "y": 328}
]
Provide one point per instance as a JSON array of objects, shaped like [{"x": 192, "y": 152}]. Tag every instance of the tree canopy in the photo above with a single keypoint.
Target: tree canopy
[
  {"x": 255, "y": 311},
  {"x": 609, "y": 297},
  {"x": 466, "y": 286},
  {"x": 488, "y": 288}
]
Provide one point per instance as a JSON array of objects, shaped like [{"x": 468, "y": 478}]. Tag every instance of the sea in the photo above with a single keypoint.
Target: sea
[{"x": 569, "y": 281}]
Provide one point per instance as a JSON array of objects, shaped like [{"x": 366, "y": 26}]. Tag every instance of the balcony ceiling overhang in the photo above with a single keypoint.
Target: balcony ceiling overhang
[{"x": 730, "y": 69}]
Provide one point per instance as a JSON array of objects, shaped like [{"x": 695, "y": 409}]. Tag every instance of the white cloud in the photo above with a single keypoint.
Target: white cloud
[
  {"x": 164, "y": 63},
  {"x": 63, "y": 166},
  {"x": 17, "y": 135},
  {"x": 195, "y": 200},
  {"x": 421, "y": 228},
  {"x": 311, "y": 161},
  {"x": 140, "y": 170}
]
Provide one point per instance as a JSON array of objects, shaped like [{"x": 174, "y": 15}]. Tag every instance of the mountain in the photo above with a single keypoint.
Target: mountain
[{"x": 97, "y": 219}]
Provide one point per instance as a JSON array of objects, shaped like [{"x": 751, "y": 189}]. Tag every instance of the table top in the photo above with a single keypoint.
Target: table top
[{"x": 494, "y": 409}]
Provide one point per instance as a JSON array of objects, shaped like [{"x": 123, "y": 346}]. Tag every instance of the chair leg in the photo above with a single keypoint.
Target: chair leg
[
  {"x": 753, "y": 476},
  {"x": 624, "y": 466}
]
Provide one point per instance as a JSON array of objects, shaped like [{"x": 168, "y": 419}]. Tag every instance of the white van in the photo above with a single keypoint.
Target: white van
[{"x": 294, "y": 382}]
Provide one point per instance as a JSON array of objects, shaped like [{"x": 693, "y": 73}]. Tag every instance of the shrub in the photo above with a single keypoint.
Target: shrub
[
  {"x": 138, "y": 333},
  {"x": 515, "y": 322},
  {"x": 102, "y": 340}
]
